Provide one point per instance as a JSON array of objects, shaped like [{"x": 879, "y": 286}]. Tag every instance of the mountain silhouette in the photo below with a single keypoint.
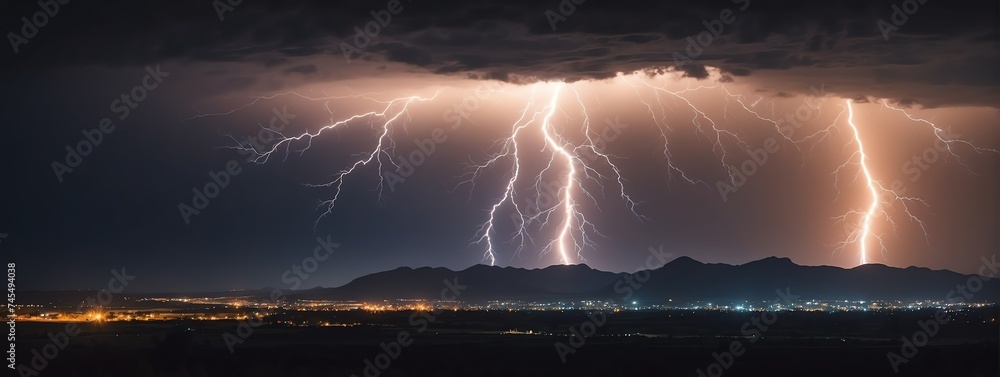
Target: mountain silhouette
[{"x": 683, "y": 280}]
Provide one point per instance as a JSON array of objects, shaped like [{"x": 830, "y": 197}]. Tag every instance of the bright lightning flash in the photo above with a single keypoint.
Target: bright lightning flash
[
  {"x": 866, "y": 224},
  {"x": 567, "y": 196},
  {"x": 881, "y": 196},
  {"x": 573, "y": 232}
]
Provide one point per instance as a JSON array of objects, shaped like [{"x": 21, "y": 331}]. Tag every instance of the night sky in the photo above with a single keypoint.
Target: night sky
[{"x": 215, "y": 74}]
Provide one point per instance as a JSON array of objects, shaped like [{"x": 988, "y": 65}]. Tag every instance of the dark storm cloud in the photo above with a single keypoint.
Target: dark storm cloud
[
  {"x": 944, "y": 53},
  {"x": 399, "y": 52},
  {"x": 304, "y": 69}
]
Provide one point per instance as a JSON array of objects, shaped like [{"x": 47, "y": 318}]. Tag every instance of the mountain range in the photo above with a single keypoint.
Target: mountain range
[{"x": 683, "y": 280}]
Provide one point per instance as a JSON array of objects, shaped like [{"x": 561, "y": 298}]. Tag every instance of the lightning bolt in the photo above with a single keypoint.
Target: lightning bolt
[
  {"x": 381, "y": 152},
  {"x": 715, "y": 134},
  {"x": 776, "y": 123},
  {"x": 567, "y": 194},
  {"x": 510, "y": 149},
  {"x": 881, "y": 196},
  {"x": 572, "y": 234},
  {"x": 942, "y": 135},
  {"x": 866, "y": 223}
]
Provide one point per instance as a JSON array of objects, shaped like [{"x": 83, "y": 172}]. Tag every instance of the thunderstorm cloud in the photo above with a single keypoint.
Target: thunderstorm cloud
[{"x": 928, "y": 53}]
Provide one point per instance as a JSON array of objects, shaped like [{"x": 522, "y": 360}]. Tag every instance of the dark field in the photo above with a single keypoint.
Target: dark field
[{"x": 662, "y": 343}]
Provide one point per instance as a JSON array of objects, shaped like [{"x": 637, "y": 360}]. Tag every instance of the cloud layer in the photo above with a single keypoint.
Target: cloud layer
[{"x": 944, "y": 53}]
